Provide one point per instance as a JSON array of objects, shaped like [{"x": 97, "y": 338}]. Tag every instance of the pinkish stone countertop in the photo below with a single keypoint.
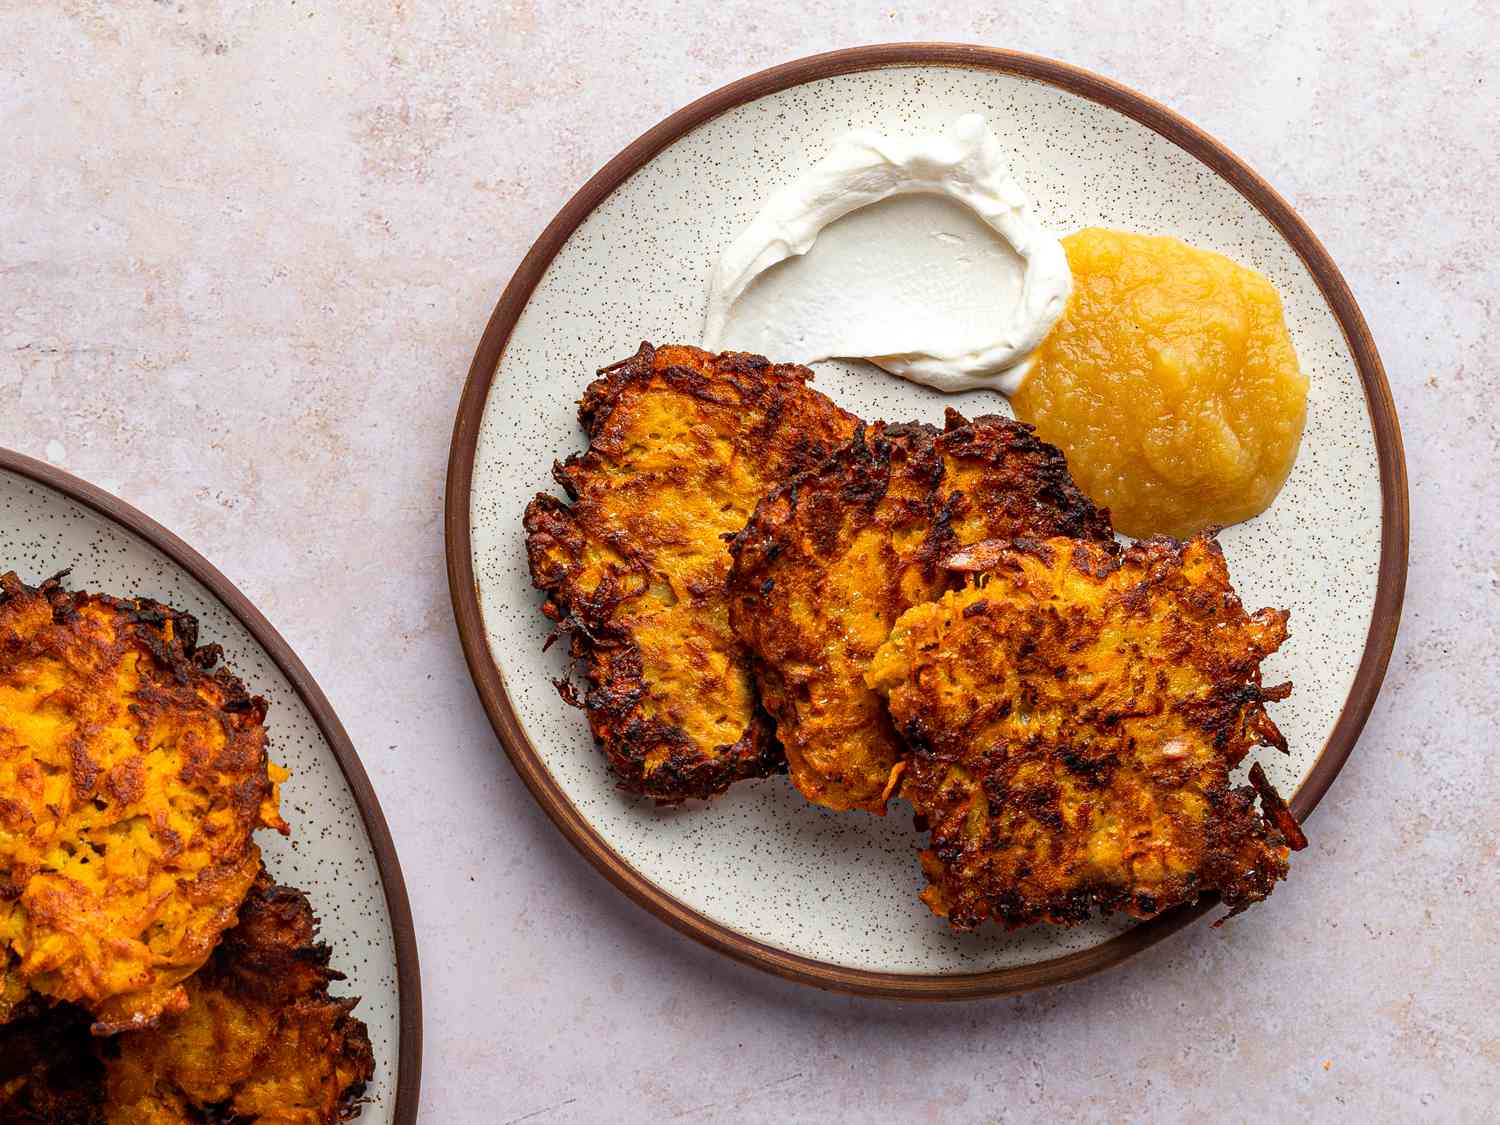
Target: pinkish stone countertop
[{"x": 246, "y": 251}]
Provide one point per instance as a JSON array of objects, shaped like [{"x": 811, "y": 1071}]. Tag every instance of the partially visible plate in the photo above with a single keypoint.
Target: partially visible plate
[
  {"x": 821, "y": 897},
  {"x": 340, "y": 851}
]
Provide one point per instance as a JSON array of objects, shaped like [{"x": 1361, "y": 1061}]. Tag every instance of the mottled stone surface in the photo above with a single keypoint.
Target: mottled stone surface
[{"x": 245, "y": 253}]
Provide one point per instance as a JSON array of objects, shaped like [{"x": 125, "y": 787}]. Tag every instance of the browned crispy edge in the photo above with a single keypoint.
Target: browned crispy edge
[
  {"x": 989, "y": 436},
  {"x": 273, "y": 957},
  {"x": 863, "y": 465},
  {"x": 146, "y": 620}
]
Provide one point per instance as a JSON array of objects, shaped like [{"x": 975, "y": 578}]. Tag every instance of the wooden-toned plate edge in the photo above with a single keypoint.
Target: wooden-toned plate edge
[
  {"x": 408, "y": 971},
  {"x": 1385, "y": 616}
]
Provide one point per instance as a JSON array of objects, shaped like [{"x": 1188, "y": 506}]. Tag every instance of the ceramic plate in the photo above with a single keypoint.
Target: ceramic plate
[
  {"x": 340, "y": 852},
  {"x": 832, "y": 898}
]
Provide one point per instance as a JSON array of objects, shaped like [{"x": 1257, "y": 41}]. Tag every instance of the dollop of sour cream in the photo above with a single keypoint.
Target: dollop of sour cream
[{"x": 920, "y": 254}]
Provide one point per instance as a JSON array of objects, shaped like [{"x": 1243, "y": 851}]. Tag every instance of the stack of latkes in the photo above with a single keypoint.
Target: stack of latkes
[
  {"x": 150, "y": 970},
  {"x": 753, "y": 581}
]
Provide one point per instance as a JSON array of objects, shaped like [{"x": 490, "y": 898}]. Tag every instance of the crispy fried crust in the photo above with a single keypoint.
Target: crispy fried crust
[
  {"x": 132, "y": 775},
  {"x": 260, "y": 1043},
  {"x": 682, "y": 444},
  {"x": 1073, "y": 718},
  {"x": 829, "y": 561}
]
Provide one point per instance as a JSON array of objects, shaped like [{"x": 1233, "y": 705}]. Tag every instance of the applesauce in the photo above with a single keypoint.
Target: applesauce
[{"x": 1170, "y": 383}]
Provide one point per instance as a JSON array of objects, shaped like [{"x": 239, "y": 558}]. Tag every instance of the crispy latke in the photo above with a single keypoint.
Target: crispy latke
[
  {"x": 682, "y": 444},
  {"x": 829, "y": 561},
  {"x": 261, "y": 1042},
  {"x": 1073, "y": 717},
  {"x": 131, "y": 778}
]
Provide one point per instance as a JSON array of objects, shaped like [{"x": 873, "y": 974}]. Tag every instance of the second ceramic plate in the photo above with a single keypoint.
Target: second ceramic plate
[
  {"x": 339, "y": 851},
  {"x": 822, "y": 897}
]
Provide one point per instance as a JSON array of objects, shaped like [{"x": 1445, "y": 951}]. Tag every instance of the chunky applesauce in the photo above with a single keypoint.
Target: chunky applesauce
[{"x": 1170, "y": 383}]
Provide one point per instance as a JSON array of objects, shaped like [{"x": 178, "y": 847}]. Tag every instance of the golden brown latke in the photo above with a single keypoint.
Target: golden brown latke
[
  {"x": 1073, "y": 717},
  {"x": 131, "y": 779},
  {"x": 260, "y": 1043},
  {"x": 682, "y": 444},
  {"x": 829, "y": 561}
]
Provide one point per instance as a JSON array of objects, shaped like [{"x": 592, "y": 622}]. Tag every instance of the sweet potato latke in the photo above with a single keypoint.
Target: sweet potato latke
[
  {"x": 829, "y": 561},
  {"x": 1073, "y": 717},
  {"x": 682, "y": 444},
  {"x": 260, "y": 1042},
  {"x": 131, "y": 778}
]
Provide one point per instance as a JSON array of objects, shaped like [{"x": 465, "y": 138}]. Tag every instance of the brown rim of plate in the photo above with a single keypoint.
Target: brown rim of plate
[
  {"x": 487, "y": 678},
  {"x": 408, "y": 973}
]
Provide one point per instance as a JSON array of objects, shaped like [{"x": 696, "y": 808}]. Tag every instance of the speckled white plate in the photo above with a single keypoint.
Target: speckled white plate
[
  {"x": 760, "y": 874},
  {"x": 340, "y": 852}
]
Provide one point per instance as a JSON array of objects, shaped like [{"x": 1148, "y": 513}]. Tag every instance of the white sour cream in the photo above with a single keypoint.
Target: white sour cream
[{"x": 920, "y": 254}]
